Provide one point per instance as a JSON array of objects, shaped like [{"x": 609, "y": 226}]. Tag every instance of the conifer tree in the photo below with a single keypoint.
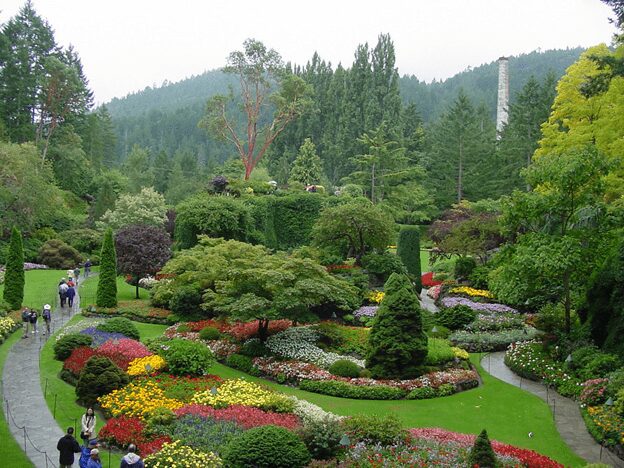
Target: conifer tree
[
  {"x": 107, "y": 282},
  {"x": 482, "y": 454},
  {"x": 308, "y": 167},
  {"x": 14, "y": 276},
  {"x": 408, "y": 250},
  {"x": 397, "y": 343}
]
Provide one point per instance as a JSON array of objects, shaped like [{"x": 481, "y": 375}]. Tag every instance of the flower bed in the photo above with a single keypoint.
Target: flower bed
[
  {"x": 7, "y": 326},
  {"x": 452, "y": 301},
  {"x": 100, "y": 337},
  {"x": 485, "y": 322},
  {"x": 366, "y": 312},
  {"x": 605, "y": 425},
  {"x": 137, "y": 399},
  {"x": 122, "y": 352},
  {"x": 245, "y": 416},
  {"x": 240, "y": 331},
  {"x": 176, "y": 455},
  {"x": 472, "y": 292},
  {"x": 434, "y": 292},
  {"x": 241, "y": 392},
  {"x": 491, "y": 341},
  {"x": 146, "y": 365},
  {"x": 123, "y": 431},
  {"x": 137, "y": 310},
  {"x": 428, "y": 281},
  {"x": 77, "y": 360}
]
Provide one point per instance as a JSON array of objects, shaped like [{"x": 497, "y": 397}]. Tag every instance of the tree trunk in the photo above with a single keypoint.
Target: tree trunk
[
  {"x": 373, "y": 185},
  {"x": 461, "y": 170},
  {"x": 567, "y": 303},
  {"x": 263, "y": 329},
  {"x": 137, "y": 289},
  {"x": 248, "y": 169}
]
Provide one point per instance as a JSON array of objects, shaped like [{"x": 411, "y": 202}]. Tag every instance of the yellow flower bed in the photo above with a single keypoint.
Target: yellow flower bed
[
  {"x": 6, "y": 326},
  {"x": 460, "y": 353},
  {"x": 472, "y": 292},
  {"x": 176, "y": 455},
  {"x": 146, "y": 365},
  {"x": 242, "y": 392},
  {"x": 376, "y": 296},
  {"x": 137, "y": 400}
]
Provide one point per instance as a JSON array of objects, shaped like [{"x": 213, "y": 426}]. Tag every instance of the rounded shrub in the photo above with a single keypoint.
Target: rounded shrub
[
  {"x": 322, "y": 437},
  {"x": 266, "y": 447},
  {"x": 254, "y": 348},
  {"x": 240, "y": 362},
  {"x": 616, "y": 382},
  {"x": 345, "y": 368},
  {"x": 64, "y": 347},
  {"x": 187, "y": 357},
  {"x": 386, "y": 430},
  {"x": 599, "y": 366},
  {"x": 464, "y": 266},
  {"x": 57, "y": 254},
  {"x": 209, "y": 333},
  {"x": 455, "y": 318},
  {"x": 422, "y": 393},
  {"x": 186, "y": 301},
  {"x": 99, "y": 377},
  {"x": 120, "y": 325}
]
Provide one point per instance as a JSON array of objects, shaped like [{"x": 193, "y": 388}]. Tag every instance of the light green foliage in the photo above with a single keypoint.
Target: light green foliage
[
  {"x": 397, "y": 343},
  {"x": 186, "y": 357},
  {"x": 308, "y": 167},
  {"x": 13, "y": 292},
  {"x": 146, "y": 207},
  {"x": 107, "y": 280},
  {"x": 353, "y": 228}
]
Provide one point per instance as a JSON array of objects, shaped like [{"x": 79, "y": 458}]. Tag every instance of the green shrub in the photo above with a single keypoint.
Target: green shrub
[
  {"x": 582, "y": 356},
  {"x": 386, "y": 430},
  {"x": 106, "y": 295},
  {"x": 345, "y": 368},
  {"x": 13, "y": 292},
  {"x": 482, "y": 453},
  {"x": 99, "y": 377},
  {"x": 83, "y": 240},
  {"x": 439, "y": 352},
  {"x": 408, "y": 250},
  {"x": 618, "y": 405},
  {"x": 322, "y": 438},
  {"x": 120, "y": 325},
  {"x": 64, "y": 347},
  {"x": 440, "y": 331},
  {"x": 446, "y": 389},
  {"x": 599, "y": 366},
  {"x": 381, "y": 266},
  {"x": 209, "y": 334},
  {"x": 240, "y": 362},
  {"x": 186, "y": 301},
  {"x": 464, "y": 266},
  {"x": 397, "y": 344},
  {"x": 479, "y": 277},
  {"x": 455, "y": 318},
  {"x": 422, "y": 393},
  {"x": 184, "y": 328},
  {"x": 187, "y": 357},
  {"x": 346, "y": 390},
  {"x": 254, "y": 348},
  {"x": 57, "y": 254},
  {"x": 616, "y": 382},
  {"x": 551, "y": 318},
  {"x": 159, "y": 419},
  {"x": 266, "y": 447}
]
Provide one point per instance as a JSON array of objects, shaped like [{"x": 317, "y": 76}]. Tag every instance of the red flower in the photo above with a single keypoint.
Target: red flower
[
  {"x": 78, "y": 358},
  {"x": 428, "y": 281},
  {"x": 123, "y": 351},
  {"x": 245, "y": 416}
]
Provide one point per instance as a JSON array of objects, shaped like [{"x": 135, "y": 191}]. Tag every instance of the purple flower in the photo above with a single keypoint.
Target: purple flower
[
  {"x": 366, "y": 311},
  {"x": 478, "y": 306},
  {"x": 100, "y": 337}
]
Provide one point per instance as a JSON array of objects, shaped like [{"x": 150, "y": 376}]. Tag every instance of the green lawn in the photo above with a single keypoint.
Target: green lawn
[
  {"x": 124, "y": 291},
  {"x": 424, "y": 261},
  {"x": 507, "y": 412},
  {"x": 40, "y": 287}
]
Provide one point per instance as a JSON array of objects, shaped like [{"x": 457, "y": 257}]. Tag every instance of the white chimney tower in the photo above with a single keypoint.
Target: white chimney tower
[{"x": 503, "y": 95}]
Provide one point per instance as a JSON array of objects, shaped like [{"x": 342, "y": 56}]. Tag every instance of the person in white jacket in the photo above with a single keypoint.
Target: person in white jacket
[{"x": 88, "y": 426}]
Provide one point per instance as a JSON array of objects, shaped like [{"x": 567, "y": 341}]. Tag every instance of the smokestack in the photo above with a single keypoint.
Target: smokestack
[{"x": 503, "y": 95}]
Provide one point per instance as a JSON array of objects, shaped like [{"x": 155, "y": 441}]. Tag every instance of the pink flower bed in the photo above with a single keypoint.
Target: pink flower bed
[
  {"x": 222, "y": 348},
  {"x": 123, "y": 351},
  {"x": 244, "y": 330},
  {"x": 240, "y": 331},
  {"x": 292, "y": 370},
  {"x": 245, "y": 416},
  {"x": 78, "y": 358},
  {"x": 530, "y": 458}
]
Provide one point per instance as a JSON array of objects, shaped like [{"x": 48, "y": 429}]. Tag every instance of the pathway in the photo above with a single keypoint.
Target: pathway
[
  {"x": 29, "y": 418},
  {"x": 567, "y": 414},
  {"x": 426, "y": 302}
]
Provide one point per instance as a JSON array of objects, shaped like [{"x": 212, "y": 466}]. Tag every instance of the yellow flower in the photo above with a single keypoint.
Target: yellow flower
[
  {"x": 146, "y": 365},
  {"x": 472, "y": 292},
  {"x": 376, "y": 296},
  {"x": 242, "y": 392},
  {"x": 138, "y": 400},
  {"x": 460, "y": 353}
]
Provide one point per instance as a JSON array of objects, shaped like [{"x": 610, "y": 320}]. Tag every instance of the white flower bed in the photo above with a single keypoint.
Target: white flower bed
[
  {"x": 299, "y": 343},
  {"x": 309, "y": 412},
  {"x": 78, "y": 327}
]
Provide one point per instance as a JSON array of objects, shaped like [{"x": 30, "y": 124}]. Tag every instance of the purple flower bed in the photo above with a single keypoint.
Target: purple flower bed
[
  {"x": 366, "y": 311},
  {"x": 478, "y": 306},
  {"x": 101, "y": 337}
]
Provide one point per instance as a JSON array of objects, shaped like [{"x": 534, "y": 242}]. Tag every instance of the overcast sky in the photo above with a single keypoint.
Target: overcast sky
[{"x": 126, "y": 45}]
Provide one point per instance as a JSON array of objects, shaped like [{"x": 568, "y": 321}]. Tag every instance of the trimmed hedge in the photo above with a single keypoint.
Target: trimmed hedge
[
  {"x": 64, "y": 347},
  {"x": 358, "y": 392}
]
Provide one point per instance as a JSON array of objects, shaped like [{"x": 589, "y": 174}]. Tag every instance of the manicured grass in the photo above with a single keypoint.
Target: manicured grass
[
  {"x": 424, "y": 261},
  {"x": 507, "y": 412},
  {"x": 125, "y": 292},
  {"x": 40, "y": 287},
  {"x": 11, "y": 453}
]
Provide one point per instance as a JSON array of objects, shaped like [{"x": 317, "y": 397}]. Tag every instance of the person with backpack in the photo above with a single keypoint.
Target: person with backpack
[
  {"x": 47, "y": 317},
  {"x": 62, "y": 290},
  {"x": 26, "y": 321},
  {"x": 33, "y": 321},
  {"x": 70, "y": 293},
  {"x": 87, "y": 267},
  {"x": 76, "y": 275}
]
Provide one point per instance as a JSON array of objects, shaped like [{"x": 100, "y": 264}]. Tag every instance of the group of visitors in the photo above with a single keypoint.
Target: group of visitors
[
  {"x": 67, "y": 289},
  {"x": 89, "y": 452},
  {"x": 30, "y": 317}
]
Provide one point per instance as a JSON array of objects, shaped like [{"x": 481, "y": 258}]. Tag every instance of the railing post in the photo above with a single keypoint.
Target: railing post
[
  {"x": 54, "y": 412},
  {"x": 45, "y": 390},
  {"x": 24, "y": 429}
]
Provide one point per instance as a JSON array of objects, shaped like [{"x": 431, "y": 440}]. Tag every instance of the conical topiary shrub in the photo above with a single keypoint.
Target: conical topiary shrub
[
  {"x": 482, "y": 453},
  {"x": 14, "y": 276},
  {"x": 107, "y": 283},
  {"x": 408, "y": 250}
]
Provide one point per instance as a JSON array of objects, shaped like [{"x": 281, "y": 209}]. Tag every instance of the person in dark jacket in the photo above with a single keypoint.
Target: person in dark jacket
[
  {"x": 33, "y": 320},
  {"x": 131, "y": 460},
  {"x": 71, "y": 293},
  {"x": 67, "y": 446}
]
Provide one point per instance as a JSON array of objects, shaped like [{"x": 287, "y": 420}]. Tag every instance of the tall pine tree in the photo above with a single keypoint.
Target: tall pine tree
[
  {"x": 106, "y": 295},
  {"x": 14, "y": 276}
]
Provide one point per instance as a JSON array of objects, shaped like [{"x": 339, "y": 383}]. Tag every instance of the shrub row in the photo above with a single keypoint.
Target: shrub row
[{"x": 345, "y": 390}]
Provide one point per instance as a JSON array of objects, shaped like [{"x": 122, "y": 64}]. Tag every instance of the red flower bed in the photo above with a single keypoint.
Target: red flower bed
[
  {"x": 530, "y": 458},
  {"x": 78, "y": 358},
  {"x": 240, "y": 331},
  {"x": 428, "y": 281},
  {"x": 245, "y": 330},
  {"x": 199, "y": 326},
  {"x": 123, "y": 351},
  {"x": 246, "y": 416},
  {"x": 123, "y": 431}
]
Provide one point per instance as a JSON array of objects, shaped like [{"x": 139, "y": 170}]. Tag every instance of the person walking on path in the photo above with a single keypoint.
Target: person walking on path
[
  {"x": 131, "y": 460},
  {"x": 33, "y": 321},
  {"x": 62, "y": 289},
  {"x": 26, "y": 321},
  {"x": 71, "y": 293},
  {"x": 67, "y": 447},
  {"x": 86, "y": 453},
  {"x": 88, "y": 425},
  {"x": 94, "y": 460},
  {"x": 47, "y": 317},
  {"x": 76, "y": 275},
  {"x": 87, "y": 267}
]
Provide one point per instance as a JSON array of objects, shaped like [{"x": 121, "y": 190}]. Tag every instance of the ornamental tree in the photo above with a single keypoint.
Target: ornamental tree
[
  {"x": 142, "y": 250},
  {"x": 106, "y": 295},
  {"x": 482, "y": 453},
  {"x": 397, "y": 343},
  {"x": 146, "y": 207},
  {"x": 308, "y": 167},
  {"x": 14, "y": 277},
  {"x": 353, "y": 229}
]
